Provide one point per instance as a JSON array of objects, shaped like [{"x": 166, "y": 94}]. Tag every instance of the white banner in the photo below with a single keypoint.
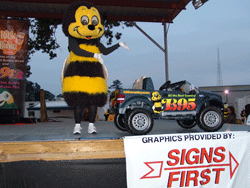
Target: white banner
[
  {"x": 207, "y": 160},
  {"x": 248, "y": 120}
]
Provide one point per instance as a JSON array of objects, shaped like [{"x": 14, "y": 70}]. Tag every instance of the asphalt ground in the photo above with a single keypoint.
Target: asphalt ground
[{"x": 62, "y": 129}]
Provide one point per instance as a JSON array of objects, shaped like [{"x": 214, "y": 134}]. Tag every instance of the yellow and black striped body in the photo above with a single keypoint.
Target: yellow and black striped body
[{"x": 83, "y": 81}]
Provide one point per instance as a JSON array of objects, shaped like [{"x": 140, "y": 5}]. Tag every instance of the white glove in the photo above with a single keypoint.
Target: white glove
[
  {"x": 98, "y": 56},
  {"x": 123, "y": 44}
]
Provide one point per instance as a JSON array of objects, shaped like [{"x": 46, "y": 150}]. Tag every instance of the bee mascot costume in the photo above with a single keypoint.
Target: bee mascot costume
[{"x": 84, "y": 75}]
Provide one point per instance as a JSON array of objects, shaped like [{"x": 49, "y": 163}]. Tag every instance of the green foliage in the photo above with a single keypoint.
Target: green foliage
[
  {"x": 108, "y": 27},
  {"x": 28, "y": 73},
  {"x": 49, "y": 96},
  {"x": 116, "y": 84},
  {"x": 43, "y": 35},
  {"x": 59, "y": 96},
  {"x": 44, "y": 38},
  {"x": 33, "y": 92}
]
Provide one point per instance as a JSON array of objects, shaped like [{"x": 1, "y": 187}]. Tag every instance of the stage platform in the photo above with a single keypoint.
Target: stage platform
[
  {"x": 61, "y": 129},
  {"x": 54, "y": 140},
  {"x": 37, "y": 154},
  {"x": 57, "y": 129}
]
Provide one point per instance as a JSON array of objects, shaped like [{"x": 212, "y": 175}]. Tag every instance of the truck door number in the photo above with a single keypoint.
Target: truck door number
[{"x": 180, "y": 104}]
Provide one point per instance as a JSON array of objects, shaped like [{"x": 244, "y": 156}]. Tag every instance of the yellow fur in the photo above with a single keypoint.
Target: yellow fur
[
  {"x": 88, "y": 48},
  {"x": 74, "y": 58},
  {"x": 79, "y": 30},
  {"x": 91, "y": 85},
  {"x": 156, "y": 96}
]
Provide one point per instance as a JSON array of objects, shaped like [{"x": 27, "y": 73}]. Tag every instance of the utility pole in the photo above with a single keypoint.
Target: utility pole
[
  {"x": 43, "y": 110},
  {"x": 166, "y": 49},
  {"x": 219, "y": 78}
]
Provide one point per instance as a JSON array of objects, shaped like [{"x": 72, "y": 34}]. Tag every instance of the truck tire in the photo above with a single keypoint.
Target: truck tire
[
  {"x": 210, "y": 119},
  {"x": 119, "y": 121},
  {"x": 187, "y": 124},
  {"x": 139, "y": 121}
]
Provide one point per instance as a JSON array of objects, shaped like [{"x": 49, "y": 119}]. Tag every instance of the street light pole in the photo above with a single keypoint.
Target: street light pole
[
  {"x": 226, "y": 92},
  {"x": 166, "y": 49}
]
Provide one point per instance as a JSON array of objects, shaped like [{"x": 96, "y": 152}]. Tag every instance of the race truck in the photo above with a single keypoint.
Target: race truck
[{"x": 136, "y": 109}]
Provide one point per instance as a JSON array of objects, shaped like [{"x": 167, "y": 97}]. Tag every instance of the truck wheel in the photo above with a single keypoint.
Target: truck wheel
[
  {"x": 187, "y": 124},
  {"x": 119, "y": 121},
  {"x": 211, "y": 119},
  {"x": 139, "y": 121}
]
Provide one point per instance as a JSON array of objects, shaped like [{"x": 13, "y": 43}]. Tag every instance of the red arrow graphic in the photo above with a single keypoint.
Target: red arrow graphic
[
  {"x": 152, "y": 170},
  {"x": 232, "y": 171},
  {"x": 231, "y": 160}
]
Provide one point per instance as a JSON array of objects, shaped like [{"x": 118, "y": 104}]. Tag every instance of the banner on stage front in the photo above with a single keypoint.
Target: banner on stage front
[{"x": 188, "y": 160}]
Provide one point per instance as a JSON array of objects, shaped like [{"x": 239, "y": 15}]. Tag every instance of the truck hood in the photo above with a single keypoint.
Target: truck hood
[{"x": 210, "y": 94}]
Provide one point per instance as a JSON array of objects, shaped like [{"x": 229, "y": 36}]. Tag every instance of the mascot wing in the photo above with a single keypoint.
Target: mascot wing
[{"x": 65, "y": 65}]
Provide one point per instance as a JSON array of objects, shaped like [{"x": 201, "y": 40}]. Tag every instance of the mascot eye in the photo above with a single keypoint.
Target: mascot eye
[
  {"x": 6, "y": 95},
  {"x": 94, "y": 21},
  {"x": 84, "y": 20}
]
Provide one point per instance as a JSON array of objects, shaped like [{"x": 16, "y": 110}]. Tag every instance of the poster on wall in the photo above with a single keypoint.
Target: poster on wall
[{"x": 13, "y": 58}]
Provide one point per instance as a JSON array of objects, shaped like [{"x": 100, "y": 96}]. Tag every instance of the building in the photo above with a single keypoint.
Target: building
[
  {"x": 234, "y": 95},
  {"x": 57, "y": 109}
]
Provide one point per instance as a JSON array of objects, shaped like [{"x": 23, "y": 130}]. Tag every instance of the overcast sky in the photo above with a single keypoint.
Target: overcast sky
[{"x": 193, "y": 40}]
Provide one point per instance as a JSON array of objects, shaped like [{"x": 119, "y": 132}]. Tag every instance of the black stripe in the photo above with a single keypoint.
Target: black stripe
[
  {"x": 94, "y": 42},
  {"x": 77, "y": 68},
  {"x": 84, "y": 99}
]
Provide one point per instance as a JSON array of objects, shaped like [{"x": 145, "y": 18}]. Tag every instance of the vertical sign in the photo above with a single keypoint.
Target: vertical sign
[{"x": 13, "y": 59}]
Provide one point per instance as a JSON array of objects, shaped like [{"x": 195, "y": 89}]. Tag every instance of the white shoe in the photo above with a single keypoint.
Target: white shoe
[
  {"x": 92, "y": 129},
  {"x": 77, "y": 129}
]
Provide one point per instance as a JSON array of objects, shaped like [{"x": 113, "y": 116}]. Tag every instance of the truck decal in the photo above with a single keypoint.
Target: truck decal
[
  {"x": 136, "y": 92},
  {"x": 156, "y": 98},
  {"x": 181, "y": 95},
  {"x": 179, "y": 104}
]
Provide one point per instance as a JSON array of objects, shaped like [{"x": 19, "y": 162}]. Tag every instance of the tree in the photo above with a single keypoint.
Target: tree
[
  {"x": 44, "y": 38},
  {"x": 116, "y": 85},
  {"x": 33, "y": 92},
  {"x": 59, "y": 96},
  {"x": 43, "y": 35},
  {"x": 28, "y": 73},
  {"x": 109, "y": 25},
  {"x": 49, "y": 96}
]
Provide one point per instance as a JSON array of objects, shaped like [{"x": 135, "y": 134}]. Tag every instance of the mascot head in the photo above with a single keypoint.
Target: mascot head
[
  {"x": 82, "y": 21},
  {"x": 156, "y": 96},
  {"x": 5, "y": 98}
]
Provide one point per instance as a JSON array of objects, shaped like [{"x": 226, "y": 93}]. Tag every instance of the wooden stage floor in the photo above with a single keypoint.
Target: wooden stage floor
[
  {"x": 54, "y": 140},
  {"x": 80, "y": 161}
]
